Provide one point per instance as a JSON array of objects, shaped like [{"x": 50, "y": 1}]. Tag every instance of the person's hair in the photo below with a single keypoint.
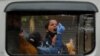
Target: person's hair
[{"x": 47, "y": 23}]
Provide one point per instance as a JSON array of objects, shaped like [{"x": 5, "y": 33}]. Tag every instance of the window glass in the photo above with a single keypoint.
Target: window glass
[{"x": 59, "y": 34}]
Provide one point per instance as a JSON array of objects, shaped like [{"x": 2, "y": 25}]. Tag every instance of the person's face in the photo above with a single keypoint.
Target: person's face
[{"x": 52, "y": 25}]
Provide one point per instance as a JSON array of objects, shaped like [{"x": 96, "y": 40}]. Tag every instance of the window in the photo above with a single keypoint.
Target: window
[{"x": 34, "y": 31}]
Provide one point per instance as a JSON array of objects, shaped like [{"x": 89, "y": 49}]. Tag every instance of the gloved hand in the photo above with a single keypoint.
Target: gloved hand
[{"x": 60, "y": 28}]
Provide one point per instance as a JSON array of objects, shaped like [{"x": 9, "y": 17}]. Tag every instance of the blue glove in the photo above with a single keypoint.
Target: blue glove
[{"x": 60, "y": 28}]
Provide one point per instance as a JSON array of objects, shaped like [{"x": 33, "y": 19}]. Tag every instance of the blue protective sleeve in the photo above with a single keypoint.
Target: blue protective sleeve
[{"x": 60, "y": 30}]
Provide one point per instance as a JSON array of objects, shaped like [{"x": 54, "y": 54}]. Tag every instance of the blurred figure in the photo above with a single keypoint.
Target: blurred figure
[
  {"x": 25, "y": 47},
  {"x": 51, "y": 32},
  {"x": 53, "y": 40},
  {"x": 50, "y": 38}
]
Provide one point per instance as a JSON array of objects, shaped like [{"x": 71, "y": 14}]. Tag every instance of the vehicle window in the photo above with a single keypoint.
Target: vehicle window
[{"x": 60, "y": 34}]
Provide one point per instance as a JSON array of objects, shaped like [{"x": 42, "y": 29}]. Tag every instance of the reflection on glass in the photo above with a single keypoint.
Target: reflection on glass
[{"x": 27, "y": 34}]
